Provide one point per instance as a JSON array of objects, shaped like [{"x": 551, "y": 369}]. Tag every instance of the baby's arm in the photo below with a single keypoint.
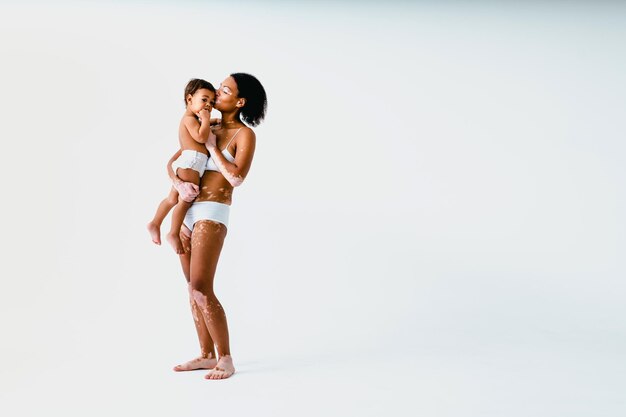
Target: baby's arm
[
  {"x": 186, "y": 190},
  {"x": 199, "y": 131}
]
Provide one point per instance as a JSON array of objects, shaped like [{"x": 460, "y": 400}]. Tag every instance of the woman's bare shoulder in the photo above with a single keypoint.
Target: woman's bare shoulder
[{"x": 247, "y": 132}]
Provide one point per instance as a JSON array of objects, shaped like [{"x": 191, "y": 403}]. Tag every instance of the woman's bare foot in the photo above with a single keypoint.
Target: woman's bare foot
[
  {"x": 174, "y": 240},
  {"x": 223, "y": 369},
  {"x": 155, "y": 233},
  {"x": 198, "y": 363}
]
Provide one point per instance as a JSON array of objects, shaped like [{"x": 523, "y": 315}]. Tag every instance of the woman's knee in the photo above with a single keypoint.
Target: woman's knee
[
  {"x": 206, "y": 302},
  {"x": 197, "y": 286}
]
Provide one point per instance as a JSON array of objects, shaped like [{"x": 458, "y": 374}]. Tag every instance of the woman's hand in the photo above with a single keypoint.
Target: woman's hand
[{"x": 187, "y": 191}]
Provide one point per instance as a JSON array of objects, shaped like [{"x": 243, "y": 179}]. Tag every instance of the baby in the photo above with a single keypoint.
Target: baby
[{"x": 193, "y": 133}]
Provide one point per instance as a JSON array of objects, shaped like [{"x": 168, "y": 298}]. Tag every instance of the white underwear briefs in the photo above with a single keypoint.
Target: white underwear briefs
[{"x": 206, "y": 210}]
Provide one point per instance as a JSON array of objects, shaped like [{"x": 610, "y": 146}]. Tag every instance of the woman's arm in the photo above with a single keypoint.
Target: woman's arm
[
  {"x": 199, "y": 131},
  {"x": 186, "y": 190},
  {"x": 235, "y": 172}
]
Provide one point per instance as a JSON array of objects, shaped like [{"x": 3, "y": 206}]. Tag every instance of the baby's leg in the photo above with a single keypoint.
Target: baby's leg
[
  {"x": 154, "y": 227},
  {"x": 178, "y": 215}
]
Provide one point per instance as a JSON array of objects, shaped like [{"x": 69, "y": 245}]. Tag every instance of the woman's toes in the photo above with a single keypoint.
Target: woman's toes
[{"x": 213, "y": 374}]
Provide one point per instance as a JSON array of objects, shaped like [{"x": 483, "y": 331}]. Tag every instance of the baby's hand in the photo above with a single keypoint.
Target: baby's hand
[
  {"x": 187, "y": 191},
  {"x": 204, "y": 114}
]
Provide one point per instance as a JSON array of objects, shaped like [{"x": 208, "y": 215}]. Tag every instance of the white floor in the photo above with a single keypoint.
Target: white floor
[{"x": 459, "y": 379}]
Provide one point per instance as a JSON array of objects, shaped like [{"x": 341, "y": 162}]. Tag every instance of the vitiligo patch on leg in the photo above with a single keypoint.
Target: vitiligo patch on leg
[
  {"x": 186, "y": 243},
  {"x": 214, "y": 318},
  {"x": 209, "y": 308},
  {"x": 198, "y": 238},
  {"x": 194, "y": 311}
]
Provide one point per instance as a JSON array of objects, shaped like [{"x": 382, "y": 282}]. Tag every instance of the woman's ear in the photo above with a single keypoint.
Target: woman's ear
[{"x": 241, "y": 102}]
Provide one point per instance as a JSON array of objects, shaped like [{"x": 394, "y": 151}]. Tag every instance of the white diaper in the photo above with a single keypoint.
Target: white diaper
[{"x": 191, "y": 160}]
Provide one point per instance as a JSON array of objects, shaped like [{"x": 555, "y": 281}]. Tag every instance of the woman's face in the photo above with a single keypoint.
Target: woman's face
[{"x": 226, "y": 97}]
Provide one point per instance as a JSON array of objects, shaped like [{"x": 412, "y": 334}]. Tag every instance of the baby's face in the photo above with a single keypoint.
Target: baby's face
[{"x": 202, "y": 99}]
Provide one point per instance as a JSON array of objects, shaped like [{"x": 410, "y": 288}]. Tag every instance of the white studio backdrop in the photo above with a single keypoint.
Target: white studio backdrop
[{"x": 430, "y": 180}]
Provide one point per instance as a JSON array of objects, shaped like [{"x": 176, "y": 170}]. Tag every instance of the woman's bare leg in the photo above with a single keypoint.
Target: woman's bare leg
[
  {"x": 154, "y": 227},
  {"x": 206, "y": 244},
  {"x": 207, "y": 359}
]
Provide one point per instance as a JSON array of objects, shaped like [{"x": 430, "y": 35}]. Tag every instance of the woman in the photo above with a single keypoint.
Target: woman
[{"x": 240, "y": 96}]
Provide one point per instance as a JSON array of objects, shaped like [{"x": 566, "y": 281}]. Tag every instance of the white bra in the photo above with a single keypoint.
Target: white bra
[{"x": 210, "y": 165}]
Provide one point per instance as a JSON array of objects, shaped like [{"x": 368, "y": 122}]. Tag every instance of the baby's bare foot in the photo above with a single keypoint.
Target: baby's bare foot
[
  {"x": 197, "y": 363},
  {"x": 174, "y": 240},
  {"x": 155, "y": 233},
  {"x": 223, "y": 369}
]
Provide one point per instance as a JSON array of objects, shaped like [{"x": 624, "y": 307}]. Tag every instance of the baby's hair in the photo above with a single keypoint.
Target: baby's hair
[
  {"x": 196, "y": 84},
  {"x": 253, "y": 112}
]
